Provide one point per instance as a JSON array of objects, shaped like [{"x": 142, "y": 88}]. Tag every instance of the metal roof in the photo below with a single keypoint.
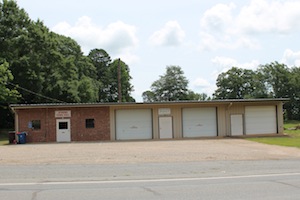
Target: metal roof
[{"x": 221, "y": 101}]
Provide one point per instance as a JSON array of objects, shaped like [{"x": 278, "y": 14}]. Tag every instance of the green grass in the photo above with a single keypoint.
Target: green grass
[
  {"x": 292, "y": 139},
  {"x": 4, "y": 137}
]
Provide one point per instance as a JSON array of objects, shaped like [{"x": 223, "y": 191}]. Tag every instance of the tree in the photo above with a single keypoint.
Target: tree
[
  {"x": 88, "y": 90},
  {"x": 276, "y": 78},
  {"x": 148, "y": 96},
  {"x": 13, "y": 26},
  {"x": 101, "y": 60},
  {"x": 53, "y": 65},
  {"x": 44, "y": 62},
  {"x": 107, "y": 75},
  {"x": 198, "y": 97},
  {"x": 294, "y": 112},
  {"x": 110, "y": 83},
  {"x": 280, "y": 84},
  {"x": 238, "y": 83},
  {"x": 7, "y": 94},
  {"x": 15, "y": 43},
  {"x": 172, "y": 86}
]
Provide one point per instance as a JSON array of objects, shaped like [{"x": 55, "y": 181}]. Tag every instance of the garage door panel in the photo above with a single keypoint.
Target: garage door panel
[
  {"x": 260, "y": 120},
  {"x": 133, "y": 124},
  {"x": 199, "y": 122}
]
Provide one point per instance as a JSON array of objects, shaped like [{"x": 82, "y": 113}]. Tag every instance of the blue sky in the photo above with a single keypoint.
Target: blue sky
[{"x": 204, "y": 38}]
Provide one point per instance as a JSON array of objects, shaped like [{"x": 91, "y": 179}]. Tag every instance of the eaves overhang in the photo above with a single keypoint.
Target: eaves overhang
[{"x": 135, "y": 104}]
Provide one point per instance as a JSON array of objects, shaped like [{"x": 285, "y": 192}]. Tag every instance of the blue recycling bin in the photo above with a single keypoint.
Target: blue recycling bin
[{"x": 22, "y": 137}]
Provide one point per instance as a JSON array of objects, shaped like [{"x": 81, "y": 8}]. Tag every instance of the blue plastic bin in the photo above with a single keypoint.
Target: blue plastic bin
[{"x": 22, "y": 137}]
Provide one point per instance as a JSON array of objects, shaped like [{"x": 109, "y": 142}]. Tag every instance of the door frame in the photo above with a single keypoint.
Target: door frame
[
  {"x": 263, "y": 118},
  {"x": 202, "y": 117},
  {"x": 68, "y": 138},
  {"x": 239, "y": 123},
  {"x": 138, "y": 124},
  {"x": 170, "y": 127}
]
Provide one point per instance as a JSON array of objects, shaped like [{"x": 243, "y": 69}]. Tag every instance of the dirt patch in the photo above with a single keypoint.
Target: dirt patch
[{"x": 143, "y": 152}]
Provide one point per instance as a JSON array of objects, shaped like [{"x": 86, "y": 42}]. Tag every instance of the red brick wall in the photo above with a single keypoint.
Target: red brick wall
[
  {"x": 79, "y": 132},
  {"x": 25, "y": 116},
  {"x": 102, "y": 125}
]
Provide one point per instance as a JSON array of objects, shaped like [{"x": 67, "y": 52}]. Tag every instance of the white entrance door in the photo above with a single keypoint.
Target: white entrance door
[
  {"x": 165, "y": 127},
  {"x": 63, "y": 130},
  {"x": 237, "y": 127}
]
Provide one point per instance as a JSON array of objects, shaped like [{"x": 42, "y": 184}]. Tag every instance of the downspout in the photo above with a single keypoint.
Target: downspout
[
  {"x": 280, "y": 118},
  {"x": 228, "y": 132},
  {"x": 16, "y": 118},
  {"x": 47, "y": 126},
  {"x": 229, "y": 105}
]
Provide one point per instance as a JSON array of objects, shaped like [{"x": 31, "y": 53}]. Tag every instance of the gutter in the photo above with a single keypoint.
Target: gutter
[{"x": 164, "y": 103}]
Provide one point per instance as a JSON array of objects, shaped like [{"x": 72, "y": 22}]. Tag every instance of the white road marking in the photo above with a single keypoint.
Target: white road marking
[{"x": 149, "y": 180}]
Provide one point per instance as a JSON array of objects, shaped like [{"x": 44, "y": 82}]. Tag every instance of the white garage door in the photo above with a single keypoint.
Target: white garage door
[
  {"x": 199, "y": 122},
  {"x": 135, "y": 124},
  {"x": 260, "y": 119}
]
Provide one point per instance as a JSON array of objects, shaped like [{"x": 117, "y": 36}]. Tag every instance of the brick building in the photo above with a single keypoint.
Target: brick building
[{"x": 145, "y": 121}]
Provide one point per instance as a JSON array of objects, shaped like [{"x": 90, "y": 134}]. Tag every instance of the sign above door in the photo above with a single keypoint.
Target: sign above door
[{"x": 62, "y": 113}]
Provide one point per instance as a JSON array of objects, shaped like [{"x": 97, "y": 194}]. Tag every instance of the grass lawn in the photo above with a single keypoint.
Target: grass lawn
[
  {"x": 3, "y": 136},
  {"x": 293, "y": 139}
]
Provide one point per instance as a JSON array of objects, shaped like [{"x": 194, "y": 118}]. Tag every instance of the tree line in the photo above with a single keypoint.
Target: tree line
[
  {"x": 273, "y": 80},
  {"x": 40, "y": 66},
  {"x": 172, "y": 86},
  {"x": 53, "y": 65}
]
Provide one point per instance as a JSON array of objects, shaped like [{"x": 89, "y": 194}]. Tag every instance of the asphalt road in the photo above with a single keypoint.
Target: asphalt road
[
  {"x": 255, "y": 179},
  {"x": 272, "y": 186}
]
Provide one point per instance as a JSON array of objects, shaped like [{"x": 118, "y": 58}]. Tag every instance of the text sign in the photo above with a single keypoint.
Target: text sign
[
  {"x": 62, "y": 113},
  {"x": 164, "y": 111}
]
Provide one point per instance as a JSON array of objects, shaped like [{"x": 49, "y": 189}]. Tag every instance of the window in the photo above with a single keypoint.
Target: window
[
  {"x": 89, "y": 123},
  {"x": 36, "y": 124},
  {"x": 62, "y": 125}
]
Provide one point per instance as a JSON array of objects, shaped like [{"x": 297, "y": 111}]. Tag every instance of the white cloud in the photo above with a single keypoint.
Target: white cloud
[
  {"x": 212, "y": 42},
  {"x": 201, "y": 85},
  {"x": 262, "y": 16},
  {"x": 219, "y": 31},
  {"x": 229, "y": 27},
  {"x": 226, "y": 62},
  {"x": 128, "y": 57},
  {"x": 170, "y": 35},
  {"x": 116, "y": 38},
  {"x": 218, "y": 18},
  {"x": 291, "y": 58},
  {"x": 223, "y": 64}
]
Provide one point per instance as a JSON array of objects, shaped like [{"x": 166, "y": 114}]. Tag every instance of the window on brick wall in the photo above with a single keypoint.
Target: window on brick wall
[
  {"x": 36, "y": 124},
  {"x": 89, "y": 123}
]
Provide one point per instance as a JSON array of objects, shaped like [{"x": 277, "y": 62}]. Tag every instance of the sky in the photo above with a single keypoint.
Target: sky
[{"x": 204, "y": 38}]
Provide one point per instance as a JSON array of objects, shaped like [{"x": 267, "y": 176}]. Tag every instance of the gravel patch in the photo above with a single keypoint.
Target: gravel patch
[{"x": 143, "y": 152}]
